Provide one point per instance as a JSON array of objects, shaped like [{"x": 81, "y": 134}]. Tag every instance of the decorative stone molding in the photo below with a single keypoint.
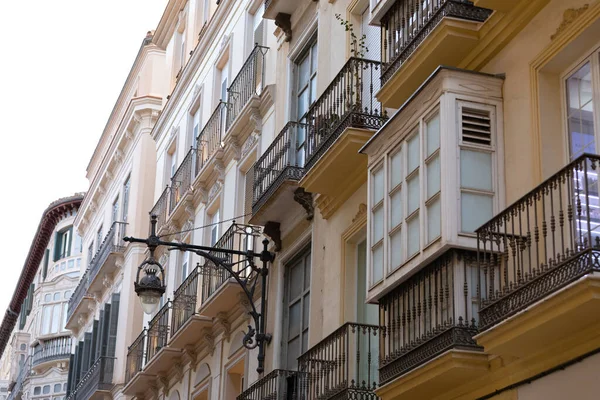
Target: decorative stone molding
[
  {"x": 236, "y": 150},
  {"x": 244, "y": 302},
  {"x": 221, "y": 319},
  {"x": 164, "y": 259},
  {"x": 214, "y": 191},
  {"x": 284, "y": 22},
  {"x": 569, "y": 16},
  {"x": 362, "y": 211},
  {"x": 118, "y": 156},
  {"x": 119, "y": 262},
  {"x": 93, "y": 206},
  {"x": 196, "y": 91},
  {"x": 209, "y": 340},
  {"x": 256, "y": 120},
  {"x": 305, "y": 199},
  {"x": 109, "y": 175},
  {"x": 248, "y": 145},
  {"x": 273, "y": 231},
  {"x": 81, "y": 321},
  {"x": 164, "y": 382},
  {"x": 192, "y": 356},
  {"x": 178, "y": 367},
  {"x": 220, "y": 168},
  {"x": 106, "y": 281}
]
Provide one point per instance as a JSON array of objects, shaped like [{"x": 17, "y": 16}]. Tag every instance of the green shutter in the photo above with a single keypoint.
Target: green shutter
[
  {"x": 46, "y": 260},
  {"x": 113, "y": 325},
  {"x": 29, "y": 299},
  {"x": 105, "y": 330},
  {"x": 95, "y": 332},
  {"x": 78, "y": 355},
  {"x": 70, "y": 375}
]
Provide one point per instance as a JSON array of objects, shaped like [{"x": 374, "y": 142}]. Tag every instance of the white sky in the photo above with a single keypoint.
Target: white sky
[{"x": 62, "y": 66}]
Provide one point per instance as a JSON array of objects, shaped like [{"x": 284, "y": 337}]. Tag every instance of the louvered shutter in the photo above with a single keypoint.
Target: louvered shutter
[
  {"x": 70, "y": 374},
  {"x": 30, "y": 299},
  {"x": 476, "y": 126},
  {"x": 98, "y": 349},
  {"x": 94, "y": 347},
  {"x": 113, "y": 325},
  {"x": 85, "y": 357},
  {"x": 104, "y": 330},
  {"x": 46, "y": 260},
  {"x": 57, "y": 246},
  {"x": 78, "y": 356}
]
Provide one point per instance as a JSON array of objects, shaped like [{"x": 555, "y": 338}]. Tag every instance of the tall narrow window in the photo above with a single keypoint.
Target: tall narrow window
[
  {"x": 185, "y": 265},
  {"x": 306, "y": 94},
  {"x": 99, "y": 237},
  {"x": 195, "y": 126},
  {"x": 90, "y": 254},
  {"x": 126, "y": 188},
  {"x": 377, "y": 225},
  {"x": 433, "y": 187},
  {"x": 413, "y": 194},
  {"x": 214, "y": 228},
  {"x": 580, "y": 112},
  {"x": 395, "y": 212},
  {"x": 115, "y": 210}
]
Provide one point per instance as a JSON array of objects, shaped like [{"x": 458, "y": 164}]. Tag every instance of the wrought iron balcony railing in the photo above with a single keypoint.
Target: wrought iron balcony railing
[
  {"x": 184, "y": 301},
  {"x": 546, "y": 240},
  {"x": 344, "y": 364},
  {"x": 136, "y": 356},
  {"x": 408, "y": 22},
  {"x": 277, "y": 385},
  {"x": 427, "y": 315},
  {"x": 278, "y": 163},
  {"x": 161, "y": 208},
  {"x": 54, "y": 349},
  {"x": 24, "y": 373},
  {"x": 237, "y": 237},
  {"x": 182, "y": 180},
  {"x": 98, "y": 378},
  {"x": 210, "y": 138},
  {"x": 248, "y": 82},
  {"x": 158, "y": 331},
  {"x": 112, "y": 243},
  {"x": 348, "y": 101},
  {"x": 78, "y": 294}
]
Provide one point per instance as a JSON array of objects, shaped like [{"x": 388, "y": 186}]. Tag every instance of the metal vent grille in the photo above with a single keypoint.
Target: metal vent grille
[{"x": 476, "y": 127}]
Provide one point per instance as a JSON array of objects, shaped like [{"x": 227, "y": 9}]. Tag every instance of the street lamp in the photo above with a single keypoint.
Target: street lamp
[{"x": 150, "y": 287}]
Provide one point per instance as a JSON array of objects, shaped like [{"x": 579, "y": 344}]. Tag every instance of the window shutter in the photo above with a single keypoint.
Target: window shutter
[
  {"x": 98, "y": 348},
  {"x": 476, "y": 126},
  {"x": 57, "y": 240},
  {"x": 104, "y": 332},
  {"x": 70, "y": 242},
  {"x": 248, "y": 194},
  {"x": 46, "y": 260},
  {"x": 78, "y": 356},
  {"x": 113, "y": 325},
  {"x": 70, "y": 374},
  {"x": 259, "y": 34},
  {"x": 93, "y": 349},
  {"x": 29, "y": 301},
  {"x": 22, "y": 318},
  {"x": 85, "y": 358}
]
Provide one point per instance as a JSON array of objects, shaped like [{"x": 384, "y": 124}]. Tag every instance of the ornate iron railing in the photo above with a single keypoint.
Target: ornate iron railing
[
  {"x": 279, "y": 384},
  {"x": 344, "y": 364},
  {"x": 136, "y": 356},
  {"x": 181, "y": 181},
  {"x": 24, "y": 373},
  {"x": 209, "y": 139},
  {"x": 184, "y": 301},
  {"x": 161, "y": 208},
  {"x": 237, "y": 237},
  {"x": 348, "y": 101},
  {"x": 54, "y": 349},
  {"x": 248, "y": 82},
  {"x": 112, "y": 243},
  {"x": 546, "y": 240},
  {"x": 78, "y": 294},
  {"x": 408, "y": 22},
  {"x": 158, "y": 331},
  {"x": 428, "y": 315},
  {"x": 98, "y": 378},
  {"x": 278, "y": 163}
]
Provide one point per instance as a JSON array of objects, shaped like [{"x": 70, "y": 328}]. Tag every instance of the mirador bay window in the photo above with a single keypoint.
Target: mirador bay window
[{"x": 434, "y": 178}]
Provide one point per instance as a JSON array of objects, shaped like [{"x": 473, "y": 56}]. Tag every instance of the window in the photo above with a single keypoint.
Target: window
[
  {"x": 47, "y": 298},
  {"x": 54, "y": 313},
  {"x": 297, "y": 307},
  {"x": 57, "y": 387},
  {"x": 90, "y": 254},
  {"x": 67, "y": 294},
  {"x": 214, "y": 229},
  {"x": 99, "y": 237},
  {"x": 46, "y": 389},
  {"x": 182, "y": 49},
  {"x": 306, "y": 94},
  {"x": 78, "y": 247},
  {"x": 195, "y": 117},
  {"x": 126, "y": 187},
  {"x": 56, "y": 296},
  {"x": 258, "y": 29},
  {"x": 62, "y": 243},
  {"x": 23, "y": 347},
  {"x": 115, "y": 210},
  {"x": 580, "y": 111},
  {"x": 185, "y": 265},
  {"x": 37, "y": 390},
  {"x": 172, "y": 162},
  {"x": 433, "y": 203},
  {"x": 377, "y": 225}
]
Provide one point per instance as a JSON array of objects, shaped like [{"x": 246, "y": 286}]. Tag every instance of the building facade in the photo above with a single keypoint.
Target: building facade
[
  {"x": 400, "y": 156},
  {"x": 35, "y": 362}
]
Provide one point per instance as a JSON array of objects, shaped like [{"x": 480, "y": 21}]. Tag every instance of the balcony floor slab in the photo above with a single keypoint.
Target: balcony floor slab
[
  {"x": 163, "y": 361},
  {"x": 139, "y": 384},
  {"x": 188, "y": 333},
  {"x": 224, "y": 299}
]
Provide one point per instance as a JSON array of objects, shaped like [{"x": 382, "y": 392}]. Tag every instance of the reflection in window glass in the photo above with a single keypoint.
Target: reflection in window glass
[{"x": 580, "y": 112}]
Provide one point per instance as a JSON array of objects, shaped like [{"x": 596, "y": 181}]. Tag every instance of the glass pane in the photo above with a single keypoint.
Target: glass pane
[
  {"x": 313, "y": 91},
  {"x": 413, "y": 153},
  {"x": 475, "y": 210},
  {"x": 377, "y": 186},
  {"x": 433, "y": 176},
  {"x": 303, "y": 72},
  {"x": 307, "y": 273},
  {"x": 413, "y": 232},
  {"x": 580, "y": 112},
  {"x": 377, "y": 264},
  {"x": 377, "y": 225},
  {"x": 295, "y": 317},
  {"x": 56, "y": 319},
  {"x": 46, "y": 389},
  {"x": 305, "y": 311},
  {"x": 433, "y": 134},
  {"x": 314, "y": 54},
  {"x": 302, "y": 103},
  {"x": 395, "y": 170},
  {"x": 47, "y": 297},
  {"x": 396, "y": 249},
  {"x": 395, "y": 209},
  {"x": 434, "y": 220},
  {"x": 293, "y": 352},
  {"x": 304, "y": 342},
  {"x": 475, "y": 170},
  {"x": 297, "y": 273},
  {"x": 413, "y": 187}
]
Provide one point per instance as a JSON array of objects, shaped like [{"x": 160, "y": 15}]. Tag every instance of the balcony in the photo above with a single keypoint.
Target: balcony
[
  {"x": 161, "y": 209},
  {"x": 344, "y": 364},
  {"x": 24, "y": 373},
  {"x": 136, "y": 358},
  {"x": 79, "y": 301},
  {"x": 105, "y": 260},
  {"x": 97, "y": 383},
  {"x": 181, "y": 181},
  {"x": 539, "y": 265},
  {"x": 277, "y": 385},
  {"x": 210, "y": 139},
  {"x": 244, "y": 92},
  {"x": 276, "y": 174},
  {"x": 220, "y": 291},
  {"x": 430, "y": 316},
  {"x": 275, "y": 7},
  {"x": 52, "y": 350},
  {"x": 418, "y": 39}
]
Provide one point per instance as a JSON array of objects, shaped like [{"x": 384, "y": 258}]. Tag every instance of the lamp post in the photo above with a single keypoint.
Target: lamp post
[{"x": 150, "y": 285}]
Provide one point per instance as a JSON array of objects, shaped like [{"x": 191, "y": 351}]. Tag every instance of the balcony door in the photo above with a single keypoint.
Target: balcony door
[
  {"x": 306, "y": 94},
  {"x": 296, "y": 312}
]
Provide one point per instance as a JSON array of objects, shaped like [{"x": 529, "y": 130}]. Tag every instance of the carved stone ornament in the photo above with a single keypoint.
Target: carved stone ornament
[
  {"x": 249, "y": 144},
  {"x": 362, "y": 211},
  {"x": 164, "y": 382},
  {"x": 214, "y": 191},
  {"x": 118, "y": 156},
  {"x": 196, "y": 90},
  {"x": 208, "y": 339},
  {"x": 106, "y": 281},
  {"x": 273, "y": 231},
  {"x": 305, "y": 199},
  {"x": 81, "y": 321},
  {"x": 222, "y": 320},
  {"x": 569, "y": 16},
  {"x": 284, "y": 22},
  {"x": 220, "y": 168},
  {"x": 244, "y": 302},
  {"x": 93, "y": 206},
  {"x": 256, "y": 120},
  {"x": 190, "y": 353}
]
